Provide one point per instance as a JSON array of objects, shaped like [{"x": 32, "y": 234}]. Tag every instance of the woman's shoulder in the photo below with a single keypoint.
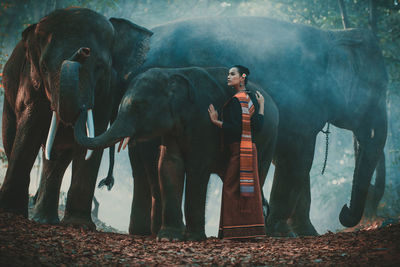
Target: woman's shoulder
[
  {"x": 232, "y": 102},
  {"x": 252, "y": 95}
]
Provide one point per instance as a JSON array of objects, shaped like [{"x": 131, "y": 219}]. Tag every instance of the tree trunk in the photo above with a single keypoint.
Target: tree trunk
[
  {"x": 372, "y": 15},
  {"x": 343, "y": 12}
]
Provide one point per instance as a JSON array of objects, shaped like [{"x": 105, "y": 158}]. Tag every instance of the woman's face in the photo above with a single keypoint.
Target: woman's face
[{"x": 234, "y": 77}]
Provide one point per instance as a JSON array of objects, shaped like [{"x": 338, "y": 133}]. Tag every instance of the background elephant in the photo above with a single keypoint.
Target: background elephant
[
  {"x": 314, "y": 77},
  {"x": 73, "y": 59},
  {"x": 173, "y": 103}
]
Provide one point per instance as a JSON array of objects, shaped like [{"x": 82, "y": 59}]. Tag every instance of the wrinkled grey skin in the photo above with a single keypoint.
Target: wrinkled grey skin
[
  {"x": 314, "y": 77},
  {"x": 71, "y": 60},
  {"x": 172, "y": 104}
]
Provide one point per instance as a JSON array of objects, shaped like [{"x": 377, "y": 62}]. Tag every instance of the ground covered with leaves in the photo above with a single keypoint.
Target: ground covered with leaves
[{"x": 26, "y": 243}]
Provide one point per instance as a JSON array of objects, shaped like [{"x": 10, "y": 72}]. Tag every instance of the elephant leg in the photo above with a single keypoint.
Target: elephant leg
[
  {"x": 46, "y": 207},
  {"x": 371, "y": 137},
  {"x": 293, "y": 162},
  {"x": 8, "y": 128},
  {"x": 300, "y": 219},
  {"x": 140, "y": 221},
  {"x": 153, "y": 151},
  {"x": 195, "y": 201},
  {"x": 171, "y": 171},
  {"x": 146, "y": 202},
  {"x": 156, "y": 209},
  {"x": 80, "y": 194},
  {"x": 32, "y": 126}
]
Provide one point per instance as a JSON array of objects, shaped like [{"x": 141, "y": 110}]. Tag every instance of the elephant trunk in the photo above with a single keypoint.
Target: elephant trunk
[
  {"x": 72, "y": 91},
  {"x": 68, "y": 98},
  {"x": 351, "y": 216},
  {"x": 118, "y": 130}
]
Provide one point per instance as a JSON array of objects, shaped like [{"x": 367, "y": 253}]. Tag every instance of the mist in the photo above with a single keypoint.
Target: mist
[{"x": 329, "y": 191}]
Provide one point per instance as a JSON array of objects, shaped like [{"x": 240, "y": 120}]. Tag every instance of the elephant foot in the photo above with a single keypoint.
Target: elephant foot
[
  {"x": 84, "y": 223},
  {"x": 195, "y": 236},
  {"x": 171, "y": 234},
  {"x": 306, "y": 229},
  {"x": 14, "y": 211},
  {"x": 18, "y": 208},
  {"x": 155, "y": 229},
  {"x": 43, "y": 218},
  {"x": 279, "y": 229},
  {"x": 142, "y": 231}
]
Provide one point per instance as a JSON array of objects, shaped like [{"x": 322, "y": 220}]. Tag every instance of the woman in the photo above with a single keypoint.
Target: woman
[{"x": 241, "y": 210}]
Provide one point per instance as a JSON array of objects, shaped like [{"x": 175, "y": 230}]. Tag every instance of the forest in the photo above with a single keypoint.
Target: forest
[{"x": 334, "y": 153}]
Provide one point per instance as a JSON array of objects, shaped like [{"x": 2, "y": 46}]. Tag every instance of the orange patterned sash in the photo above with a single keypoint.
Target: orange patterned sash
[{"x": 246, "y": 155}]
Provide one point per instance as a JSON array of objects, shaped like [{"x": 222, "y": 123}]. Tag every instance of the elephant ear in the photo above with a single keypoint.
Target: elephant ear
[
  {"x": 180, "y": 91},
  {"x": 131, "y": 43},
  {"x": 32, "y": 54}
]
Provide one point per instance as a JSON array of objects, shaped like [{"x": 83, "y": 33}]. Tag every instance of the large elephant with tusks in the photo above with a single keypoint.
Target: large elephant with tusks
[
  {"x": 314, "y": 76},
  {"x": 74, "y": 59}
]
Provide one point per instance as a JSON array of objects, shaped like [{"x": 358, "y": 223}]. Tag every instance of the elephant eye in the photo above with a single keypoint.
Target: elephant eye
[{"x": 44, "y": 69}]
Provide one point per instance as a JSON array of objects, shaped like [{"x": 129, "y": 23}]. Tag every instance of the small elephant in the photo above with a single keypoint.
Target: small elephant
[
  {"x": 172, "y": 104},
  {"x": 74, "y": 59}
]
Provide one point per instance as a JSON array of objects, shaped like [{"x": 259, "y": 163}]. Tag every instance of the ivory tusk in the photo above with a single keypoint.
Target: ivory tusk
[
  {"x": 51, "y": 135},
  {"x": 120, "y": 145},
  {"x": 123, "y": 143},
  {"x": 126, "y": 142},
  {"x": 89, "y": 131}
]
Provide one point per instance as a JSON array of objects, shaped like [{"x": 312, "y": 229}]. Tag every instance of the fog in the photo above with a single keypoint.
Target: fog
[{"x": 329, "y": 192}]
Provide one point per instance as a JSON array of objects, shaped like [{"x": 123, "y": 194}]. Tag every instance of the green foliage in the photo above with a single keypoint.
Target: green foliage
[
  {"x": 3, "y": 156},
  {"x": 390, "y": 41},
  {"x": 3, "y": 59}
]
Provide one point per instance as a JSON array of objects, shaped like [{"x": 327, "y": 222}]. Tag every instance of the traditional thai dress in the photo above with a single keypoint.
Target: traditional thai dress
[{"x": 241, "y": 210}]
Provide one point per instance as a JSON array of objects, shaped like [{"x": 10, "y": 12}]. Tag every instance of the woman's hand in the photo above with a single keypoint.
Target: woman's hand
[
  {"x": 260, "y": 100},
  {"x": 214, "y": 116}
]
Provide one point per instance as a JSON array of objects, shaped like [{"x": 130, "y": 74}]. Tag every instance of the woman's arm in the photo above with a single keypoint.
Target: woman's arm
[
  {"x": 257, "y": 120},
  {"x": 232, "y": 123}
]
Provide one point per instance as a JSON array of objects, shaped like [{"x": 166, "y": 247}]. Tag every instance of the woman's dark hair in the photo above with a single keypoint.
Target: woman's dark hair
[{"x": 243, "y": 69}]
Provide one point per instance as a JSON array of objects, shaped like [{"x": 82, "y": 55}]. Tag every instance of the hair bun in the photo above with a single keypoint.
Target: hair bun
[
  {"x": 242, "y": 69},
  {"x": 246, "y": 70}
]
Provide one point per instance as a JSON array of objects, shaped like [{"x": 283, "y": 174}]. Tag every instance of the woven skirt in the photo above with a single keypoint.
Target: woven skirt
[{"x": 241, "y": 217}]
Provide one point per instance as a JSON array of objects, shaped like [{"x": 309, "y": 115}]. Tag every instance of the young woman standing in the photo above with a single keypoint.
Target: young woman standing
[{"x": 242, "y": 117}]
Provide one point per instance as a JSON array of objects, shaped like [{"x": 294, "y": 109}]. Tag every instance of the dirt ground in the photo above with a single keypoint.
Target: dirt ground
[{"x": 26, "y": 243}]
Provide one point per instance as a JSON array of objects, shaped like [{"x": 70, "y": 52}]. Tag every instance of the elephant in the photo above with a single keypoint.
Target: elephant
[
  {"x": 172, "y": 103},
  {"x": 314, "y": 76},
  {"x": 71, "y": 60}
]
